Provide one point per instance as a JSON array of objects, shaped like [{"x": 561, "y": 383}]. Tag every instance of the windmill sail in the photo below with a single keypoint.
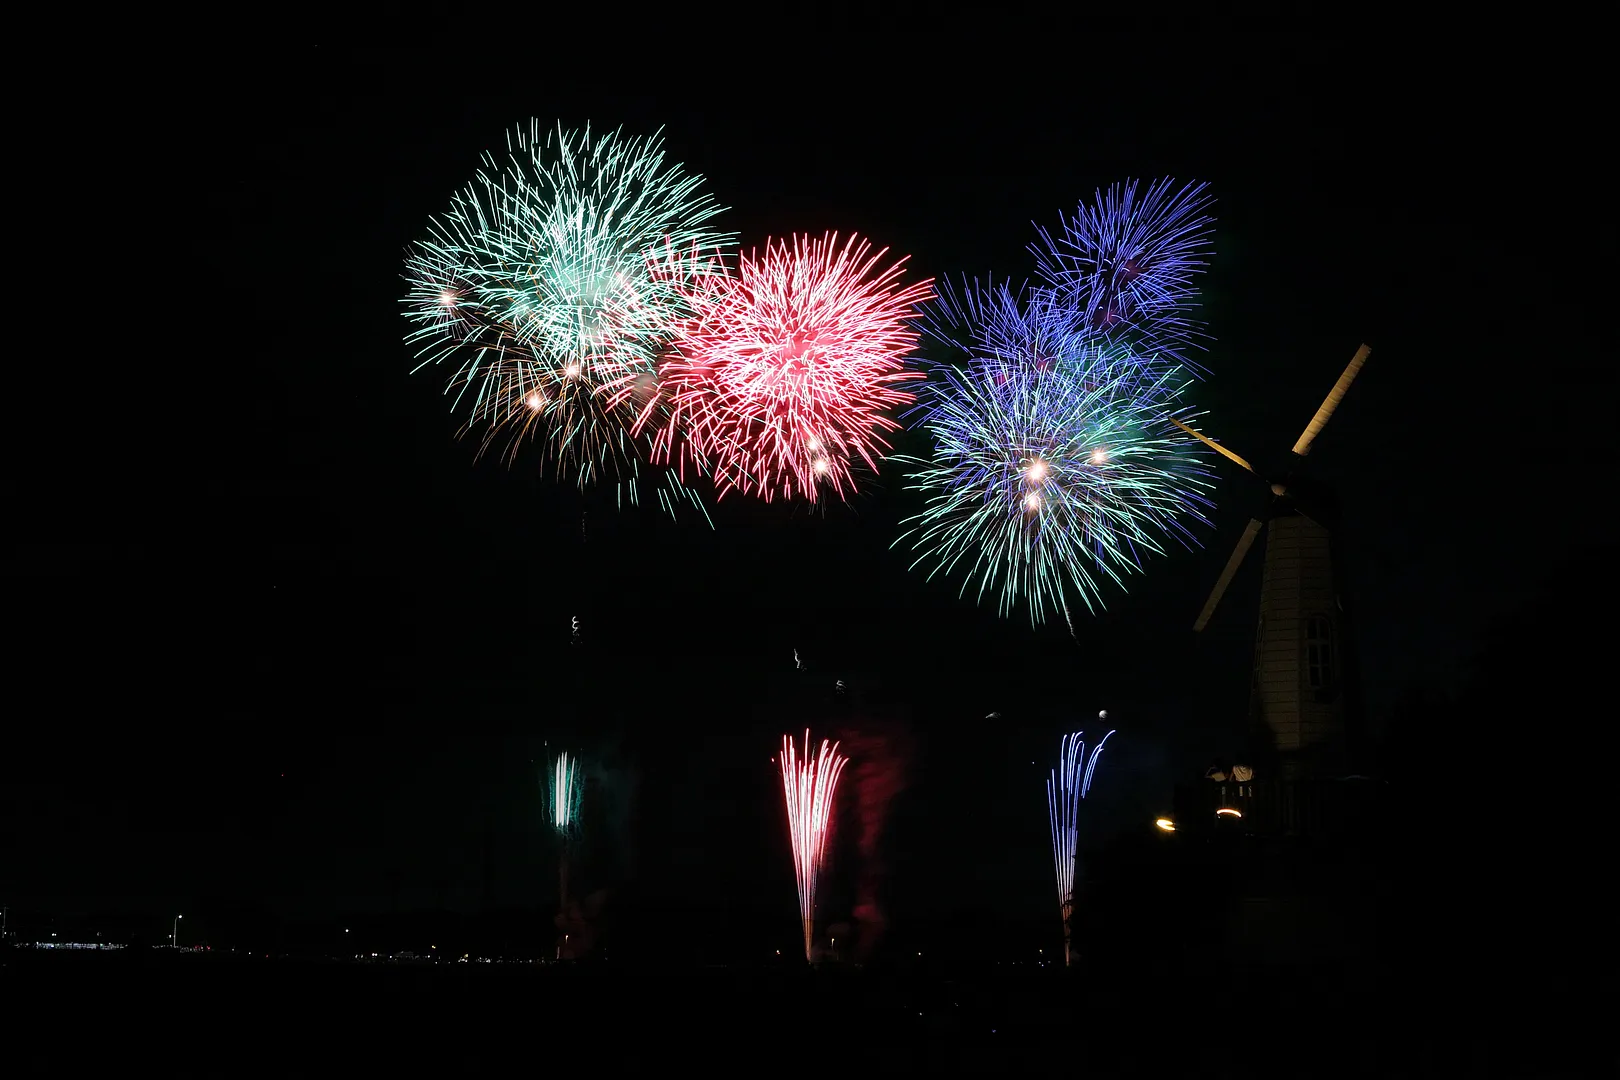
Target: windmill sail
[
  {"x": 1299, "y": 675},
  {"x": 1336, "y": 395},
  {"x": 1244, "y": 543}
]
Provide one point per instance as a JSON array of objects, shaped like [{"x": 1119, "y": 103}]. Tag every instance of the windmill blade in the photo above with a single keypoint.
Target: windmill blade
[
  {"x": 1245, "y": 542},
  {"x": 1335, "y": 395},
  {"x": 1211, "y": 443}
]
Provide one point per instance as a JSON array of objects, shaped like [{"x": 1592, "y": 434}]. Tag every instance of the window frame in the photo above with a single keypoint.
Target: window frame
[{"x": 1321, "y": 671}]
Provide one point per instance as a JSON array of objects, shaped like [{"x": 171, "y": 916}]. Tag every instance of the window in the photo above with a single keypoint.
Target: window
[{"x": 1319, "y": 652}]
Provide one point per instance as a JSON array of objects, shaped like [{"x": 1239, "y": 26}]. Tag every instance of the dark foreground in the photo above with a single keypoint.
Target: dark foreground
[{"x": 190, "y": 1014}]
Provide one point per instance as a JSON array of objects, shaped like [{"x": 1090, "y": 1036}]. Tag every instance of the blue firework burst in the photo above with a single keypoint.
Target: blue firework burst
[{"x": 1128, "y": 262}]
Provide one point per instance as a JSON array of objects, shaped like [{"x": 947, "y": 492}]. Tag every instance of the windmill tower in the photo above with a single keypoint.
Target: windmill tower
[{"x": 1300, "y": 669}]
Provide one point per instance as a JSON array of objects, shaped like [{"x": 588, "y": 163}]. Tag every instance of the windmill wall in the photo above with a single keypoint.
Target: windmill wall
[{"x": 1298, "y": 683}]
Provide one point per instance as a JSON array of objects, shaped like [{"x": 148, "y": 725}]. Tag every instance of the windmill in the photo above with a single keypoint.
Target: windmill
[{"x": 1299, "y": 677}]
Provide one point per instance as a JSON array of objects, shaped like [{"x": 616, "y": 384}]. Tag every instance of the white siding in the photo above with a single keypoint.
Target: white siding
[{"x": 1298, "y": 584}]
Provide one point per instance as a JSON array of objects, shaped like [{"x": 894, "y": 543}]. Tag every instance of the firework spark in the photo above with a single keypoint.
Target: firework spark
[
  {"x": 1065, "y": 787},
  {"x": 566, "y": 793},
  {"x": 809, "y": 784},
  {"x": 783, "y": 378},
  {"x": 536, "y": 287},
  {"x": 1128, "y": 261},
  {"x": 1055, "y": 466}
]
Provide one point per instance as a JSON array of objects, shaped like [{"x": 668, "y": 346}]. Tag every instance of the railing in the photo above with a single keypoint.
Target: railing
[{"x": 1277, "y": 807}]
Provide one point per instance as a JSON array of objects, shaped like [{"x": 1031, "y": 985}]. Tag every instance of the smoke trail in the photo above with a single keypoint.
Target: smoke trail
[{"x": 880, "y": 755}]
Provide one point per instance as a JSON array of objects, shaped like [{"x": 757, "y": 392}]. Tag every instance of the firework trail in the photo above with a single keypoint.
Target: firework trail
[
  {"x": 783, "y": 378},
  {"x": 1055, "y": 466},
  {"x": 566, "y": 793},
  {"x": 809, "y": 784},
  {"x": 1065, "y": 787},
  {"x": 536, "y": 289},
  {"x": 1127, "y": 264}
]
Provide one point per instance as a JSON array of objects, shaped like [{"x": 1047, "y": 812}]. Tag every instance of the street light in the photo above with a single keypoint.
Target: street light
[{"x": 174, "y": 936}]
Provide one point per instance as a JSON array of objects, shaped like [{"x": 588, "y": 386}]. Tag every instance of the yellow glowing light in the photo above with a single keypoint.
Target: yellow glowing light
[
  {"x": 1032, "y": 502},
  {"x": 1166, "y": 824},
  {"x": 532, "y": 401},
  {"x": 1099, "y": 456},
  {"x": 1229, "y": 812},
  {"x": 1037, "y": 470}
]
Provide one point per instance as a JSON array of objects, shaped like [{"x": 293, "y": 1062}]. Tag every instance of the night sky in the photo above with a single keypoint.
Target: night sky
[{"x": 295, "y": 644}]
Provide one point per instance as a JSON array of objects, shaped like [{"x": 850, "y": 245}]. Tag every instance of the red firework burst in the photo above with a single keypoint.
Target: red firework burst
[{"x": 786, "y": 372}]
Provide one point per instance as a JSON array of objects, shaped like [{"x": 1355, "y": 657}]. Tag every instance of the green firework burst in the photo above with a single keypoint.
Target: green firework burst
[{"x": 535, "y": 291}]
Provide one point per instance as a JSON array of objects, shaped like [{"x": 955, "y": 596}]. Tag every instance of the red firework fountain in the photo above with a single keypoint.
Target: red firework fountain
[
  {"x": 809, "y": 784},
  {"x": 786, "y": 373}
]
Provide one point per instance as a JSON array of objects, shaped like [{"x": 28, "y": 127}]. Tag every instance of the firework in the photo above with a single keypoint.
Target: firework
[
  {"x": 1055, "y": 467},
  {"x": 809, "y": 784},
  {"x": 565, "y": 791},
  {"x": 783, "y": 378},
  {"x": 535, "y": 289},
  {"x": 1128, "y": 262},
  {"x": 1065, "y": 787}
]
